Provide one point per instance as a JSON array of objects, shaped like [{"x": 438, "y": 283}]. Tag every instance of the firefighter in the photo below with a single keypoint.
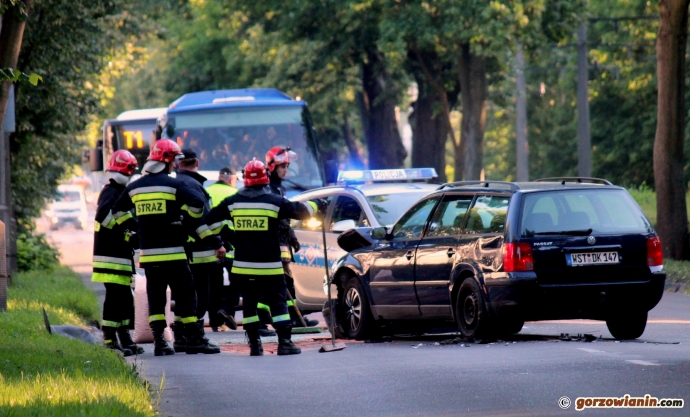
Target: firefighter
[
  {"x": 223, "y": 301},
  {"x": 167, "y": 212},
  {"x": 113, "y": 263},
  {"x": 255, "y": 213},
  {"x": 278, "y": 161},
  {"x": 202, "y": 258}
]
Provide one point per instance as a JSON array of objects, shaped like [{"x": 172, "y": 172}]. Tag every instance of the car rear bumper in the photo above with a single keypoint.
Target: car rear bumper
[{"x": 520, "y": 294}]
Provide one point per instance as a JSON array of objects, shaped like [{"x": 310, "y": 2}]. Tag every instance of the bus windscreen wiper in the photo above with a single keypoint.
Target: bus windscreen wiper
[
  {"x": 296, "y": 185},
  {"x": 585, "y": 232}
]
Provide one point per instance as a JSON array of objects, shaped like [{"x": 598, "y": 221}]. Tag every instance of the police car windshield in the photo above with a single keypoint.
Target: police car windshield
[
  {"x": 389, "y": 207},
  {"x": 233, "y": 136},
  {"x": 597, "y": 211}
]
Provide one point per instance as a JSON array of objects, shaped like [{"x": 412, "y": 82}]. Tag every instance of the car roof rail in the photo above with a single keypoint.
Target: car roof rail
[
  {"x": 580, "y": 180},
  {"x": 485, "y": 184}
]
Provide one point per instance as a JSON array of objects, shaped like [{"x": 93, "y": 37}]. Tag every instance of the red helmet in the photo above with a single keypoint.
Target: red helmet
[
  {"x": 255, "y": 173},
  {"x": 122, "y": 161},
  {"x": 164, "y": 150},
  {"x": 278, "y": 155}
]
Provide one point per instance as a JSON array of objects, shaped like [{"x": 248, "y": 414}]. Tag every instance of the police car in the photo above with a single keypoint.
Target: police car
[
  {"x": 361, "y": 199},
  {"x": 488, "y": 256}
]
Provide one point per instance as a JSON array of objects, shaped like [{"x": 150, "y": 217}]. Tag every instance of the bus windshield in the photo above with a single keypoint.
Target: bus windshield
[{"x": 233, "y": 136}]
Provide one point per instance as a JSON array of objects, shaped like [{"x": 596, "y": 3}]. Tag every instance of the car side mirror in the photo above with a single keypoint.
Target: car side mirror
[
  {"x": 379, "y": 233},
  {"x": 343, "y": 225}
]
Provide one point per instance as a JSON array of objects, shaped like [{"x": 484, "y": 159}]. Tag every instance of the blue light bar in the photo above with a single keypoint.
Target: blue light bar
[{"x": 387, "y": 175}]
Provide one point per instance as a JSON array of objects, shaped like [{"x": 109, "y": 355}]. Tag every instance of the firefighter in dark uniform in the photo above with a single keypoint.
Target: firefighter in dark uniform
[
  {"x": 255, "y": 213},
  {"x": 202, "y": 257},
  {"x": 113, "y": 252},
  {"x": 223, "y": 300},
  {"x": 278, "y": 161},
  {"x": 167, "y": 212}
]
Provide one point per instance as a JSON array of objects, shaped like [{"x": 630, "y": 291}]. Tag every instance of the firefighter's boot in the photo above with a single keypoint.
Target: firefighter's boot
[
  {"x": 228, "y": 319},
  {"x": 127, "y": 342},
  {"x": 296, "y": 322},
  {"x": 202, "y": 334},
  {"x": 160, "y": 346},
  {"x": 195, "y": 344},
  {"x": 264, "y": 320},
  {"x": 285, "y": 345},
  {"x": 110, "y": 341},
  {"x": 180, "y": 343},
  {"x": 255, "y": 348}
]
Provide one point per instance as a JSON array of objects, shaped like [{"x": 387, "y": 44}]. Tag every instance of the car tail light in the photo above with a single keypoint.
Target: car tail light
[
  {"x": 517, "y": 257},
  {"x": 655, "y": 255}
]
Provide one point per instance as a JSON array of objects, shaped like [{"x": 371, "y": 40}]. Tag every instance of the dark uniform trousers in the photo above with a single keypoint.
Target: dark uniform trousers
[
  {"x": 178, "y": 276},
  {"x": 221, "y": 296},
  {"x": 202, "y": 274},
  {"x": 274, "y": 295},
  {"x": 118, "y": 306}
]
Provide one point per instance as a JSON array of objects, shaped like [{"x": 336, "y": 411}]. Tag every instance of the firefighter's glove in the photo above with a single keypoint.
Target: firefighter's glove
[
  {"x": 322, "y": 206},
  {"x": 295, "y": 244}
]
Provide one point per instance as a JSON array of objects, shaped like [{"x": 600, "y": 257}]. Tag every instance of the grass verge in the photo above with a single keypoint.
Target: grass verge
[
  {"x": 677, "y": 275},
  {"x": 43, "y": 375}
]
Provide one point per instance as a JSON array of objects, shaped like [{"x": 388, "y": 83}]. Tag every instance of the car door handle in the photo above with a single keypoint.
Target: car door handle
[
  {"x": 450, "y": 252},
  {"x": 409, "y": 255}
]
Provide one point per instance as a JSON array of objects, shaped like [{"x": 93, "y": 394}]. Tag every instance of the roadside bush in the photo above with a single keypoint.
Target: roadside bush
[{"x": 34, "y": 252}]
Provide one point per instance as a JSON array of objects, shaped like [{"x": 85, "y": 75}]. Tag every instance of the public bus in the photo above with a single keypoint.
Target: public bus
[
  {"x": 224, "y": 128},
  {"x": 133, "y": 130},
  {"x": 230, "y": 127}
]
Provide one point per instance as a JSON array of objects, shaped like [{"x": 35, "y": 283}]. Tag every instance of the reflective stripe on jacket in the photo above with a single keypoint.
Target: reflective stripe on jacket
[
  {"x": 167, "y": 212},
  {"x": 112, "y": 248},
  {"x": 255, "y": 214}
]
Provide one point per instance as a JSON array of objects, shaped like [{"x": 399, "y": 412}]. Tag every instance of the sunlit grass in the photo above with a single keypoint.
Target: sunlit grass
[{"x": 50, "y": 375}]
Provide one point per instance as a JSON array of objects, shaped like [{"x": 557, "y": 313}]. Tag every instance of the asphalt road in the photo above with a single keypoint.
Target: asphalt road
[{"x": 523, "y": 376}]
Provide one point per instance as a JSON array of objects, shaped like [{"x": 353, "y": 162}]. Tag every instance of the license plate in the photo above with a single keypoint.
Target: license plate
[{"x": 592, "y": 258}]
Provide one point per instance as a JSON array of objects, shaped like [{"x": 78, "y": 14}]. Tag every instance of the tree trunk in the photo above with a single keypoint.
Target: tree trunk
[
  {"x": 473, "y": 92},
  {"x": 672, "y": 219},
  {"x": 10, "y": 44},
  {"x": 356, "y": 157},
  {"x": 429, "y": 130},
  {"x": 377, "y": 106}
]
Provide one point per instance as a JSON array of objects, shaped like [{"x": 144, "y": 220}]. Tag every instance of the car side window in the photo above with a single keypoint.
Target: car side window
[
  {"x": 449, "y": 216},
  {"x": 488, "y": 214},
  {"x": 346, "y": 208},
  {"x": 310, "y": 223},
  {"x": 411, "y": 224}
]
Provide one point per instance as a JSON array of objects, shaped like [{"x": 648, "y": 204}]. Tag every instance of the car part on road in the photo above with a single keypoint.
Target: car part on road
[{"x": 334, "y": 346}]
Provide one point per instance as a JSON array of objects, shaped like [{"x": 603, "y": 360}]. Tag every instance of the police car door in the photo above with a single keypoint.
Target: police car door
[
  {"x": 436, "y": 255},
  {"x": 308, "y": 270},
  {"x": 392, "y": 273}
]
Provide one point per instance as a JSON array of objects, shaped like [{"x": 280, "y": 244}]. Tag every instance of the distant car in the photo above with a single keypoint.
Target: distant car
[
  {"x": 365, "y": 198},
  {"x": 487, "y": 256},
  {"x": 69, "y": 207}
]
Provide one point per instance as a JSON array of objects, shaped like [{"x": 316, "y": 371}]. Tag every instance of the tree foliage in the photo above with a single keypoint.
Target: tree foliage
[{"x": 66, "y": 43}]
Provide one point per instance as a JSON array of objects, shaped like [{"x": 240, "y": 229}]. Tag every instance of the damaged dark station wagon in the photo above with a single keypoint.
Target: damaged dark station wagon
[{"x": 490, "y": 255}]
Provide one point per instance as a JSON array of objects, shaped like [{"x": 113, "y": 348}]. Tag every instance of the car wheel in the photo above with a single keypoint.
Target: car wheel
[
  {"x": 358, "y": 321},
  {"x": 627, "y": 325},
  {"x": 470, "y": 312}
]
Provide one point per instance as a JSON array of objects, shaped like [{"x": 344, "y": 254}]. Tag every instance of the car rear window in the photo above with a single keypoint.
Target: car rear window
[
  {"x": 605, "y": 211},
  {"x": 389, "y": 207}
]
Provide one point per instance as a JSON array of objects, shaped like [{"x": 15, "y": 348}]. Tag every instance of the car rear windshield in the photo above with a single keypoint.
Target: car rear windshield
[
  {"x": 605, "y": 211},
  {"x": 389, "y": 207}
]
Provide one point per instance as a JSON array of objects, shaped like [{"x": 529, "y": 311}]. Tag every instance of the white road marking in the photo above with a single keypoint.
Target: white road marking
[
  {"x": 643, "y": 363},
  {"x": 592, "y": 350}
]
